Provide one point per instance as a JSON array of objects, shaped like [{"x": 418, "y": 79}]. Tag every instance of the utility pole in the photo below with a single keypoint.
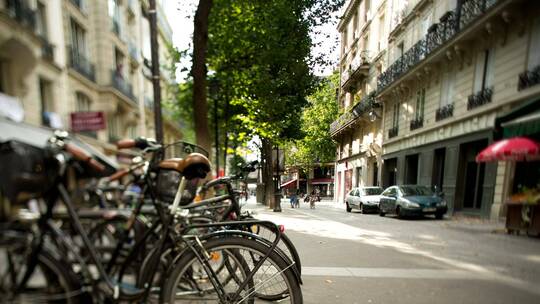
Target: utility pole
[{"x": 152, "y": 19}]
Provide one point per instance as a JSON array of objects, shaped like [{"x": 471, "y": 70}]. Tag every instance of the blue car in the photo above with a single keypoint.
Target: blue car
[{"x": 412, "y": 200}]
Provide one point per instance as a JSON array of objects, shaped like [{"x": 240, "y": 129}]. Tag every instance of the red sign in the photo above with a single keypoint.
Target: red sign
[{"x": 87, "y": 121}]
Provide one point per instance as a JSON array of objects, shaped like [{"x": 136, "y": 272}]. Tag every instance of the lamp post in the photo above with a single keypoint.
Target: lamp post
[
  {"x": 277, "y": 193},
  {"x": 214, "y": 89},
  {"x": 152, "y": 19}
]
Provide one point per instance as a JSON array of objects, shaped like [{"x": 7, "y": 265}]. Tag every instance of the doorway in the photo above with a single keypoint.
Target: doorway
[
  {"x": 471, "y": 174},
  {"x": 411, "y": 169},
  {"x": 437, "y": 179},
  {"x": 389, "y": 172}
]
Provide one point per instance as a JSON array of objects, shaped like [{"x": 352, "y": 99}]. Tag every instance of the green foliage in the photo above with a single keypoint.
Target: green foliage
[
  {"x": 261, "y": 50},
  {"x": 316, "y": 146},
  {"x": 235, "y": 163}
]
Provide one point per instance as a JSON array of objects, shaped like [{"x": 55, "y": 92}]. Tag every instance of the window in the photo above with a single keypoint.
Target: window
[
  {"x": 83, "y": 102},
  {"x": 420, "y": 102},
  {"x": 78, "y": 39},
  {"x": 119, "y": 63},
  {"x": 484, "y": 70},
  {"x": 395, "y": 117},
  {"x": 45, "y": 96},
  {"x": 534, "y": 47},
  {"x": 426, "y": 23},
  {"x": 366, "y": 11},
  {"x": 355, "y": 25},
  {"x": 382, "y": 37},
  {"x": 366, "y": 42},
  {"x": 132, "y": 131},
  {"x": 113, "y": 127},
  {"x": 41, "y": 20},
  {"x": 447, "y": 88},
  {"x": 345, "y": 42}
]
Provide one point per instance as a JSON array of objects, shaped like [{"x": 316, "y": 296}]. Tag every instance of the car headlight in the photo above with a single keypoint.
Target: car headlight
[
  {"x": 442, "y": 203},
  {"x": 411, "y": 204}
]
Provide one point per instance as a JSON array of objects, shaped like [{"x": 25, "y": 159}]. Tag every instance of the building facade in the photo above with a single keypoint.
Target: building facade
[
  {"x": 450, "y": 69},
  {"x": 358, "y": 131},
  {"x": 63, "y": 57},
  {"x": 454, "y": 68}
]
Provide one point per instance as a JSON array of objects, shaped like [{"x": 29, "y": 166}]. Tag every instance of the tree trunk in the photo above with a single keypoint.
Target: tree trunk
[
  {"x": 267, "y": 173},
  {"x": 198, "y": 71}
]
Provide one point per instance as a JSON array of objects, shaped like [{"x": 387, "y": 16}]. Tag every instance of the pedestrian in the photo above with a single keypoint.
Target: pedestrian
[
  {"x": 312, "y": 199},
  {"x": 297, "y": 199},
  {"x": 293, "y": 199}
]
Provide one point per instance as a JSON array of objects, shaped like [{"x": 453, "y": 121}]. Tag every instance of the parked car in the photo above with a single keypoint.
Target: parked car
[
  {"x": 412, "y": 200},
  {"x": 364, "y": 199}
]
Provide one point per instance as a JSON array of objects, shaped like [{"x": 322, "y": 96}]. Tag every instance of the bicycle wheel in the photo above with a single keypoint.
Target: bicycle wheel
[
  {"x": 51, "y": 281},
  {"x": 188, "y": 282}
]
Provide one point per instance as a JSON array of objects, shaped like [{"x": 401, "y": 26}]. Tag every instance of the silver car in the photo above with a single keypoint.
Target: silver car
[{"x": 364, "y": 199}]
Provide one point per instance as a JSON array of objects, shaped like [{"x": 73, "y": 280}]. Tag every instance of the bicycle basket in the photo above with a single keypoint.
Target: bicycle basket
[{"x": 27, "y": 171}]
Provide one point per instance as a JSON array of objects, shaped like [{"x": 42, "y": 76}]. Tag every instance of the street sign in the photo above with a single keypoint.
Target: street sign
[{"x": 87, "y": 121}]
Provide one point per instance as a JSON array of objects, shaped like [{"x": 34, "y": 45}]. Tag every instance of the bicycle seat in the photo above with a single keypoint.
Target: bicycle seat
[{"x": 194, "y": 164}]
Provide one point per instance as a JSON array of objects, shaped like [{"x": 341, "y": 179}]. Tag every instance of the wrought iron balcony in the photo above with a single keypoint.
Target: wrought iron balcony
[
  {"x": 417, "y": 123},
  {"x": 81, "y": 64},
  {"x": 444, "y": 112},
  {"x": 393, "y": 132},
  {"x": 21, "y": 13},
  {"x": 479, "y": 98},
  {"x": 47, "y": 49},
  {"x": 529, "y": 78},
  {"x": 360, "y": 62},
  {"x": 438, "y": 34},
  {"x": 365, "y": 104},
  {"x": 121, "y": 84}
]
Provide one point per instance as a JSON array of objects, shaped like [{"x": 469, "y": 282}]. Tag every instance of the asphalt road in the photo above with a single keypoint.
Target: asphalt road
[{"x": 365, "y": 258}]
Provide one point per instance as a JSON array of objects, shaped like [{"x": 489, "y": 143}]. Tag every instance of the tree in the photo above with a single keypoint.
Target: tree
[
  {"x": 322, "y": 110},
  {"x": 198, "y": 72}
]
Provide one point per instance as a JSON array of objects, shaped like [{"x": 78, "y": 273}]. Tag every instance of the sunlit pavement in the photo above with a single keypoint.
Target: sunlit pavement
[{"x": 364, "y": 258}]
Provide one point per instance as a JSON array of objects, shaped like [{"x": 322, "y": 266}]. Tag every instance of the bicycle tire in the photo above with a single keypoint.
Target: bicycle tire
[
  {"x": 232, "y": 244},
  {"x": 53, "y": 271}
]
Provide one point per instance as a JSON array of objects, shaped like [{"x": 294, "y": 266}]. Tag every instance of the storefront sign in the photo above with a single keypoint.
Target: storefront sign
[{"x": 87, "y": 121}]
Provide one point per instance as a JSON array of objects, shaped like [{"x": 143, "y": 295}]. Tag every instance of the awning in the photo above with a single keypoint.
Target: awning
[
  {"x": 321, "y": 181},
  {"x": 289, "y": 184},
  {"x": 524, "y": 125},
  {"x": 511, "y": 149},
  {"x": 521, "y": 121}
]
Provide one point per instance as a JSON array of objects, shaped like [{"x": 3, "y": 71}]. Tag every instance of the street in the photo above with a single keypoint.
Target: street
[{"x": 365, "y": 258}]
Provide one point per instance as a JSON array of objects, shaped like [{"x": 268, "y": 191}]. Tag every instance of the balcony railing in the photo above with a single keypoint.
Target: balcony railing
[
  {"x": 529, "y": 78},
  {"x": 20, "y": 12},
  {"x": 417, "y": 123},
  {"x": 361, "y": 61},
  {"x": 81, "y": 64},
  {"x": 479, "y": 98},
  {"x": 393, "y": 132},
  {"x": 438, "y": 34},
  {"x": 365, "y": 104},
  {"x": 444, "y": 112},
  {"x": 47, "y": 49},
  {"x": 121, "y": 84}
]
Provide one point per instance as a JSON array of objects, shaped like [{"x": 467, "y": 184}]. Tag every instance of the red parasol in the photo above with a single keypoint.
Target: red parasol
[{"x": 516, "y": 149}]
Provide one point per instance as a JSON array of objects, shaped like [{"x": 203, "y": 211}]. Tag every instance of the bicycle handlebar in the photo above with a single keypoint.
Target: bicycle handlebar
[{"x": 81, "y": 155}]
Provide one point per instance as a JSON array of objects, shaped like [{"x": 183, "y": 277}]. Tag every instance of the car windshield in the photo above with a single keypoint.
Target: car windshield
[
  {"x": 372, "y": 191},
  {"x": 415, "y": 190}
]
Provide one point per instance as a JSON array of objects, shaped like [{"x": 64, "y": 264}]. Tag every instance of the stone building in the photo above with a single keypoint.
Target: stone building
[
  {"x": 358, "y": 131},
  {"x": 59, "y": 57},
  {"x": 453, "y": 68}
]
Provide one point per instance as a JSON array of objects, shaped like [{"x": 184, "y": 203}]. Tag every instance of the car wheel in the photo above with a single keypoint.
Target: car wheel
[
  {"x": 381, "y": 213},
  {"x": 361, "y": 208},
  {"x": 347, "y": 207},
  {"x": 398, "y": 212},
  {"x": 439, "y": 216}
]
